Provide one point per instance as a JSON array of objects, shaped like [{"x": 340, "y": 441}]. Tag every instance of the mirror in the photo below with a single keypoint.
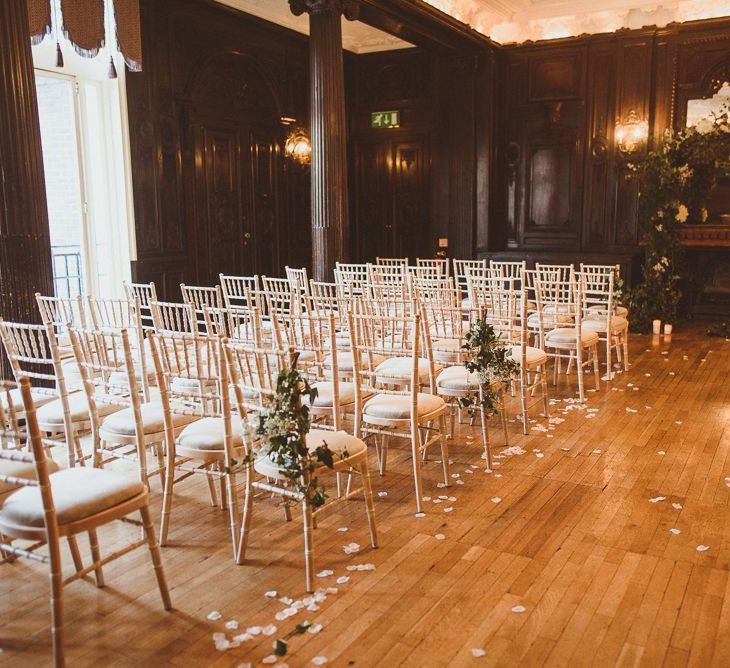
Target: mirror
[{"x": 704, "y": 108}]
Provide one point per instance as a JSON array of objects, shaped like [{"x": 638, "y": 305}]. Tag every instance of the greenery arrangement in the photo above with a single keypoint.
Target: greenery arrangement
[
  {"x": 675, "y": 183},
  {"x": 491, "y": 360},
  {"x": 282, "y": 431}
]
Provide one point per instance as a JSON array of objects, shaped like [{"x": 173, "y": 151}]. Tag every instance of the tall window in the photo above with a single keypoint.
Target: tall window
[{"x": 85, "y": 159}]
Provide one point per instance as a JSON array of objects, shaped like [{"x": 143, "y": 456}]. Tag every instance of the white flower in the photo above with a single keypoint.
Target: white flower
[
  {"x": 682, "y": 214},
  {"x": 660, "y": 213},
  {"x": 660, "y": 228},
  {"x": 704, "y": 215},
  {"x": 704, "y": 126},
  {"x": 658, "y": 267}
]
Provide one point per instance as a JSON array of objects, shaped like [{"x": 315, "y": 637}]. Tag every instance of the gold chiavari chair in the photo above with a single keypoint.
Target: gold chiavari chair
[
  {"x": 433, "y": 267},
  {"x": 173, "y": 317},
  {"x": 351, "y": 277},
  {"x": 252, "y": 376},
  {"x": 66, "y": 503},
  {"x": 146, "y": 293},
  {"x": 406, "y": 413},
  {"x": 200, "y": 298}
]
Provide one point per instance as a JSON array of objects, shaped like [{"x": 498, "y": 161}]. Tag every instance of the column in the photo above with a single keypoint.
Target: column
[
  {"x": 330, "y": 215},
  {"x": 25, "y": 255}
]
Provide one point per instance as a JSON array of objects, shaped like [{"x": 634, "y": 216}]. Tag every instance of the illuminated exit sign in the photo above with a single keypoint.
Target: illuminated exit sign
[{"x": 385, "y": 119}]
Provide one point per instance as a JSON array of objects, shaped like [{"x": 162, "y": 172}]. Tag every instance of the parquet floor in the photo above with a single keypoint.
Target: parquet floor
[{"x": 575, "y": 540}]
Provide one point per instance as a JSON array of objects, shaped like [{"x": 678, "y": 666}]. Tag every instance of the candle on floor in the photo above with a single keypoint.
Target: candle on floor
[
  {"x": 657, "y": 325},
  {"x": 667, "y": 329}
]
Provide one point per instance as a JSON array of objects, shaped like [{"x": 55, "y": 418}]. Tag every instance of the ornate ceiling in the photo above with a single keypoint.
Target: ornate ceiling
[{"x": 510, "y": 21}]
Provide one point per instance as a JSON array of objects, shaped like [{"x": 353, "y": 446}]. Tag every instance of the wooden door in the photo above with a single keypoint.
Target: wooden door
[{"x": 262, "y": 188}]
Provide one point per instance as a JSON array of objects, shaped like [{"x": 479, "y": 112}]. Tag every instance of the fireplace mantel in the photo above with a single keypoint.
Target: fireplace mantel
[{"x": 706, "y": 236}]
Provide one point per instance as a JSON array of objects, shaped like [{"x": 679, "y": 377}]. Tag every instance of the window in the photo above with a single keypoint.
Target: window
[{"x": 86, "y": 163}]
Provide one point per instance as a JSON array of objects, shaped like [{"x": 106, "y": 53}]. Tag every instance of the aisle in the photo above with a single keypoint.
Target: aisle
[{"x": 584, "y": 546}]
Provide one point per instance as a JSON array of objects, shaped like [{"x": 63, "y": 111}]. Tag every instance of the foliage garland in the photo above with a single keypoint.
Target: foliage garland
[
  {"x": 675, "y": 184},
  {"x": 282, "y": 436},
  {"x": 491, "y": 360}
]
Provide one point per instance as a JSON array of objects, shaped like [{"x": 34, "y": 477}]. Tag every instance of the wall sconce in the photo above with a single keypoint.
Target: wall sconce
[
  {"x": 298, "y": 147},
  {"x": 632, "y": 134}
]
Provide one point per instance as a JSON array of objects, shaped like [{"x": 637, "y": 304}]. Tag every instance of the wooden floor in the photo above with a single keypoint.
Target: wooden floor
[{"x": 576, "y": 541}]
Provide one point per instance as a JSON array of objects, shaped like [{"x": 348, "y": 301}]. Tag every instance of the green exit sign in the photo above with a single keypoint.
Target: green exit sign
[{"x": 385, "y": 119}]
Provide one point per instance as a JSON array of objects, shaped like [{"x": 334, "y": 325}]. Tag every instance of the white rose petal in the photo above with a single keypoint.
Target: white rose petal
[
  {"x": 325, "y": 574},
  {"x": 214, "y": 616},
  {"x": 519, "y": 608},
  {"x": 702, "y": 548},
  {"x": 677, "y": 506},
  {"x": 440, "y": 536},
  {"x": 314, "y": 629},
  {"x": 657, "y": 499},
  {"x": 675, "y": 531},
  {"x": 269, "y": 630},
  {"x": 271, "y": 594},
  {"x": 496, "y": 499},
  {"x": 478, "y": 652},
  {"x": 319, "y": 660},
  {"x": 272, "y": 658},
  {"x": 232, "y": 624},
  {"x": 343, "y": 579}
]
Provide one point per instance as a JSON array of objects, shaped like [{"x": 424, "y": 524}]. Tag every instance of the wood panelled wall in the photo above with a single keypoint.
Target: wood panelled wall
[
  {"x": 561, "y": 191},
  {"x": 212, "y": 191}
]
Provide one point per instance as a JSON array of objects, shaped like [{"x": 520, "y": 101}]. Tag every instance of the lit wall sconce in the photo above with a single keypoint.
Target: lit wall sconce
[
  {"x": 298, "y": 147},
  {"x": 631, "y": 135}
]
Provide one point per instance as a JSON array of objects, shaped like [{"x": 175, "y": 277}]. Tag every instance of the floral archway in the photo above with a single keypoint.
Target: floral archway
[{"x": 675, "y": 183}]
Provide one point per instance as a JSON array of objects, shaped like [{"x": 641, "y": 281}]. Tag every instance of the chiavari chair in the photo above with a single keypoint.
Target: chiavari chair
[
  {"x": 174, "y": 317},
  {"x": 281, "y": 298},
  {"x": 599, "y": 315},
  {"x": 242, "y": 324},
  {"x": 392, "y": 276},
  {"x": 52, "y": 505},
  {"x": 118, "y": 314},
  {"x": 252, "y": 375},
  {"x": 405, "y": 412},
  {"x": 461, "y": 270},
  {"x": 351, "y": 277},
  {"x": 561, "y": 334},
  {"x": 603, "y": 269},
  {"x": 241, "y": 291},
  {"x": 201, "y": 297},
  {"x": 146, "y": 293},
  {"x": 193, "y": 383},
  {"x": 299, "y": 283},
  {"x": 33, "y": 353},
  {"x": 514, "y": 270},
  {"x": 393, "y": 262},
  {"x": 433, "y": 267}
]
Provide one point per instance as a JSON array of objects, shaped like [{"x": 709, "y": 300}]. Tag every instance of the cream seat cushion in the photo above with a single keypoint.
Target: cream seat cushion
[
  {"x": 458, "y": 378},
  {"x": 325, "y": 394},
  {"x": 567, "y": 335},
  {"x": 39, "y": 398},
  {"x": 618, "y": 324},
  {"x": 25, "y": 470},
  {"x": 206, "y": 435},
  {"x": 153, "y": 420},
  {"x": 345, "y": 358},
  {"x": 337, "y": 441},
  {"x": 398, "y": 407},
  {"x": 51, "y": 414},
  {"x": 620, "y": 311},
  {"x": 533, "y": 356},
  {"x": 548, "y": 319},
  {"x": 447, "y": 350},
  {"x": 78, "y": 493},
  {"x": 399, "y": 369}
]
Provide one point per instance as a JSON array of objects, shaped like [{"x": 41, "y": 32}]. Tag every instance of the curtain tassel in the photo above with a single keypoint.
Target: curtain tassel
[
  {"x": 59, "y": 55},
  {"x": 112, "y": 73}
]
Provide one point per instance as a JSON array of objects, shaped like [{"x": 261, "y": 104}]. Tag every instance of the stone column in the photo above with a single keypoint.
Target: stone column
[
  {"x": 330, "y": 215},
  {"x": 25, "y": 249}
]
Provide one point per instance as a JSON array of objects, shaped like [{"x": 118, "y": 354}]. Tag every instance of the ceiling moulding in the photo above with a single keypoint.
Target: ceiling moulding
[
  {"x": 534, "y": 20},
  {"x": 357, "y": 37}
]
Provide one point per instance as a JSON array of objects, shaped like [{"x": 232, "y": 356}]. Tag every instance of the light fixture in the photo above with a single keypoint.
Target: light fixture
[
  {"x": 632, "y": 133},
  {"x": 298, "y": 147}
]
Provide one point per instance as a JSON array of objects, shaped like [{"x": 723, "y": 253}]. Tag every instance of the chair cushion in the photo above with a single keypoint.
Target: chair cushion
[
  {"x": 78, "y": 493},
  {"x": 344, "y": 360},
  {"x": 206, "y": 435},
  {"x": 51, "y": 414},
  {"x": 119, "y": 378},
  {"x": 447, "y": 350},
  {"x": 548, "y": 319},
  {"x": 325, "y": 396},
  {"x": 398, "y": 407},
  {"x": 620, "y": 311},
  {"x": 567, "y": 335},
  {"x": 457, "y": 378},
  {"x": 598, "y": 324},
  {"x": 39, "y": 398},
  {"x": 533, "y": 356},
  {"x": 399, "y": 369},
  {"x": 337, "y": 441},
  {"x": 153, "y": 420},
  {"x": 25, "y": 470}
]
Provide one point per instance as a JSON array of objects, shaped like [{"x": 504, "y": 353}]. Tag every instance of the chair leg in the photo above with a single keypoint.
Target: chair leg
[
  {"x": 96, "y": 556},
  {"x": 626, "y": 349},
  {"x": 416, "y": 457},
  {"x": 213, "y": 493},
  {"x": 545, "y": 400},
  {"x": 596, "y": 368},
  {"x": 57, "y": 629},
  {"x": 73, "y": 547},
  {"x": 581, "y": 393},
  {"x": 246, "y": 521},
  {"x": 233, "y": 510},
  {"x": 224, "y": 497},
  {"x": 609, "y": 366},
  {"x": 167, "y": 500},
  {"x": 308, "y": 545},
  {"x": 156, "y": 556},
  {"x": 383, "y": 453},
  {"x": 485, "y": 437},
  {"x": 369, "y": 507},
  {"x": 503, "y": 415}
]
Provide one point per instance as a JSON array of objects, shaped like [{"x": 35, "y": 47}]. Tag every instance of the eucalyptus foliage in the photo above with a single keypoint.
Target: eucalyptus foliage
[
  {"x": 491, "y": 360},
  {"x": 282, "y": 436}
]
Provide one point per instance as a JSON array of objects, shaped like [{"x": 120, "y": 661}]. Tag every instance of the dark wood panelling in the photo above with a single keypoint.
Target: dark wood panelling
[{"x": 212, "y": 191}]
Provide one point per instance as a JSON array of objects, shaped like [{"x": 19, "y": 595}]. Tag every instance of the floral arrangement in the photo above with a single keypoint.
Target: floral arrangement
[
  {"x": 489, "y": 358},
  {"x": 282, "y": 430},
  {"x": 675, "y": 183}
]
